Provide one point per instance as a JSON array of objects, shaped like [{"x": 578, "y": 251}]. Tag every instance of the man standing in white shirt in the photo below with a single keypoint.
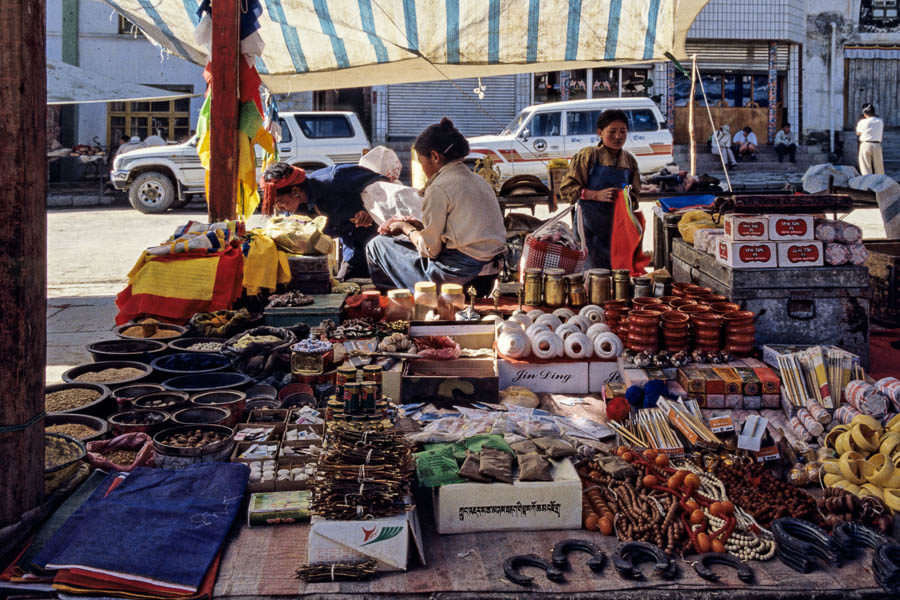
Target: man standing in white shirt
[
  {"x": 870, "y": 129},
  {"x": 745, "y": 144},
  {"x": 785, "y": 144}
]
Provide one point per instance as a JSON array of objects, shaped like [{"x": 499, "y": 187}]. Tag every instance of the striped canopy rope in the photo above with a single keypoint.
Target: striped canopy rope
[{"x": 329, "y": 44}]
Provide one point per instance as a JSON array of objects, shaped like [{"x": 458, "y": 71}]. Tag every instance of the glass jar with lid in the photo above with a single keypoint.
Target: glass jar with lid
[
  {"x": 622, "y": 284},
  {"x": 371, "y": 305},
  {"x": 451, "y": 301},
  {"x": 575, "y": 291},
  {"x": 533, "y": 287},
  {"x": 399, "y": 305},
  {"x": 554, "y": 288},
  {"x": 599, "y": 284},
  {"x": 425, "y": 299}
]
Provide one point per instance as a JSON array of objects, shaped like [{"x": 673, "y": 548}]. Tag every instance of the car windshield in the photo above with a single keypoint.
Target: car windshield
[{"x": 516, "y": 123}]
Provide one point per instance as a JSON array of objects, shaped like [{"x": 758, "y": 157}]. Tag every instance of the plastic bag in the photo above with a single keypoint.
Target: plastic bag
[
  {"x": 534, "y": 467},
  {"x": 437, "y": 466},
  {"x": 296, "y": 234},
  {"x": 497, "y": 465},
  {"x": 385, "y": 201},
  {"x": 98, "y": 451},
  {"x": 471, "y": 468}
]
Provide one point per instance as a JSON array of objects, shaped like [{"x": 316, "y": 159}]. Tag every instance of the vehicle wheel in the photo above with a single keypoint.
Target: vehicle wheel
[{"x": 152, "y": 192}]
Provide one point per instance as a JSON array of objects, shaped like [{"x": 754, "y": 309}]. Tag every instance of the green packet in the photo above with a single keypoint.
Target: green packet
[
  {"x": 275, "y": 508},
  {"x": 474, "y": 444},
  {"x": 436, "y": 466}
]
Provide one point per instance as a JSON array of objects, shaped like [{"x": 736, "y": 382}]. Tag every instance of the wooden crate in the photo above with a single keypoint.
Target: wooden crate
[{"x": 325, "y": 306}]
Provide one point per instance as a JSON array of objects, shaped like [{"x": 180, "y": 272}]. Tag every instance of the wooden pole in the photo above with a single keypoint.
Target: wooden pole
[
  {"x": 23, "y": 261},
  {"x": 223, "y": 167},
  {"x": 693, "y": 149}
]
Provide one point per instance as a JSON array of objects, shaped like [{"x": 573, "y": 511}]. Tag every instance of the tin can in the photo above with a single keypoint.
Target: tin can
[
  {"x": 368, "y": 397},
  {"x": 642, "y": 287},
  {"x": 533, "y": 287},
  {"x": 554, "y": 288},
  {"x": 372, "y": 373},
  {"x": 599, "y": 285},
  {"x": 622, "y": 284},
  {"x": 345, "y": 374},
  {"x": 352, "y": 399},
  {"x": 334, "y": 410}
]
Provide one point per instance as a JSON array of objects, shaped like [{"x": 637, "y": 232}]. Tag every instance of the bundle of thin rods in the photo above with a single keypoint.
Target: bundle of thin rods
[
  {"x": 336, "y": 572},
  {"x": 364, "y": 471}
]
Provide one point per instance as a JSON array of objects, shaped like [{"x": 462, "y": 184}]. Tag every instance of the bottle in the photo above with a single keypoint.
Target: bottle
[
  {"x": 425, "y": 299},
  {"x": 452, "y": 300},
  {"x": 399, "y": 306}
]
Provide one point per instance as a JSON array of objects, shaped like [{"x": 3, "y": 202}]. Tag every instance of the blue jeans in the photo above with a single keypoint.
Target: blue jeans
[{"x": 395, "y": 263}]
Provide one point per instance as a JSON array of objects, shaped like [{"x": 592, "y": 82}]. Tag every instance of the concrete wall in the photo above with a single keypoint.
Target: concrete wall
[
  {"x": 750, "y": 20},
  {"x": 130, "y": 58}
]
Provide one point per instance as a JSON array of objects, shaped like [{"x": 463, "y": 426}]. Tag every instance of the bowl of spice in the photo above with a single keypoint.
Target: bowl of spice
[
  {"x": 143, "y": 421},
  {"x": 87, "y": 398},
  {"x": 111, "y": 373},
  {"x": 198, "y": 344},
  {"x": 85, "y": 428},
  {"x": 62, "y": 454},
  {"x": 125, "y": 394},
  {"x": 185, "y": 363},
  {"x": 150, "y": 329},
  {"x": 139, "y": 350},
  {"x": 166, "y": 401}
]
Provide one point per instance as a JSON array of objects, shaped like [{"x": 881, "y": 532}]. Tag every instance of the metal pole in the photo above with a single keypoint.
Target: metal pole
[
  {"x": 831, "y": 88},
  {"x": 693, "y": 149}
]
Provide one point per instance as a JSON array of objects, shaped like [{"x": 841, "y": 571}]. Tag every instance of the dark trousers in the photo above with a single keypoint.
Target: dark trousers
[{"x": 783, "y": 149}]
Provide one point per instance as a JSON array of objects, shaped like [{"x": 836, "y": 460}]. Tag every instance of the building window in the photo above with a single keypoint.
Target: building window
[
  {"x": 546, "y": 87},
  {"x": 749, "y": 90},
  {"x": 879, "y": 16},
  {"x": 169, "y": 119}
]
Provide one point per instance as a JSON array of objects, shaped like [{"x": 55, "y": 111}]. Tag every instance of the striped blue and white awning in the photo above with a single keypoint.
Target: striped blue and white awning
[{"x": 326, "y": 44}]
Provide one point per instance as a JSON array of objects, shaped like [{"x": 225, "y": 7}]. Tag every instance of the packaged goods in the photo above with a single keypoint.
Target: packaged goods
[
  {"x": 752, "y": 255},
  {"x": 784, "y": 228},
  {"x": 800, "y": 254},
  {"x": 836, "y": 254},
  {"x": 831, "y": 230},
  {"x": 746, "y": 228}
]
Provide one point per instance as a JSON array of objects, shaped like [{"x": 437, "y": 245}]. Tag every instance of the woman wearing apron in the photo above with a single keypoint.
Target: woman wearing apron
[{"x": 595, "y": 175}]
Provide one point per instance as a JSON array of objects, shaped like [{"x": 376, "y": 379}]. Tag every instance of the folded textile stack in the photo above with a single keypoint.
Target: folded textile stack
[{"x": 95, "y": 551}]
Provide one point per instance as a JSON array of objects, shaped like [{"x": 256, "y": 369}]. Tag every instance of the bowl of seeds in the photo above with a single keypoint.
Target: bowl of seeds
[
  {"x": 62, "y": 454},
  {"x": 166, "y": 401},
  {"x": 77, "y": 397},
  {"x": 198, "y": 344},
  {"x": 85, "y": 428},
  {"x": 111, "y": 373}
]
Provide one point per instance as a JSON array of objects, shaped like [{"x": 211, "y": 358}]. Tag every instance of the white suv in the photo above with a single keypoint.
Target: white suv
[
  {"x": 560, "y": 129},
  {"x": 163, "y": 177}
]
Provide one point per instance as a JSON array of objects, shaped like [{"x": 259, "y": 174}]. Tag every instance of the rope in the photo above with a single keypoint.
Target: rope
[{"x": 23, "y": 426}]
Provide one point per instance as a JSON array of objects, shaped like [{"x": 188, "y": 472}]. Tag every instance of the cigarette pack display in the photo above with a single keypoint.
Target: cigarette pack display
[
  {"x": 800, "y": 254},
  {"x": 733, "y": 382},
  {"x": 751, "y": 383},
  {"x": 714, "y": 382},
  {"x": 692, "y": 380},
  {"x": 746, "y": 228},
  {"x": 747, "y": 255},
  {"x": 783, "y": 228}
]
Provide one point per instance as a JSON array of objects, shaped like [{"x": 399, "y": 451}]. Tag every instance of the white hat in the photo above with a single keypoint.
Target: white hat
[
  {"x": 136, "y": 139},
  {"x": 382, "y": 160}
]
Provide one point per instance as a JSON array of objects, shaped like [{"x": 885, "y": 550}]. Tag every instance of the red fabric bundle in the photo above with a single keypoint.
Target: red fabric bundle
[{"x": 437, "y": 347}]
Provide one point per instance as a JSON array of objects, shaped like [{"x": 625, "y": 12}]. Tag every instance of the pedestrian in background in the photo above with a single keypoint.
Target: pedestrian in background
[
  {"x": 723, "y": 135},
  {"x": 870, "y": 130},
  {"x": 745, "y": 144},
  {"x": 785, "y": 143}
]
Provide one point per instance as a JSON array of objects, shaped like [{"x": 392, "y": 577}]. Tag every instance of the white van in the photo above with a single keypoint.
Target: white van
[{"x": 560, "y": 129}]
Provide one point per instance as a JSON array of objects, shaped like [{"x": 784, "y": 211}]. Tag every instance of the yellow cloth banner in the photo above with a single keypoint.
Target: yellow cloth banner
[
  {"x": 265, "y": 266},
  {"x": 192, "y": 279}
]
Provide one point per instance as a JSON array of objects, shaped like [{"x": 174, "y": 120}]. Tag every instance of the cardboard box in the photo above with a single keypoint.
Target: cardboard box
[
  {"x": 392, "y": 541},
  {"x": 614, "y": 389},
  {"x": 635, "y": 376},
  {"x": 746, "y": 228},
  {"x": 715, "y": 401},
  {"x": 747, "y": 255},
  {"x": 267, "y": 416},
  {"x": 520, "y": 506},
  {"x": 692, "y": 380},
  {"x": 783, "y": 228},
  {"x": 474, "y": 336},
  {"x": 275, "y": 431},
  {"x": 733, "y": 382},
  {"x": 562, "y": 377},
  {"x": 601, "y": 372},
  {"x": 734, "y": 401},
  {"x": 769, "y": 382},
  {"x": 800, "y": 254},
  {"x": 275, "y": 508},
  {"x": 714, "y": 384},
  {"x": 751, "y": 383},
  {"x": 240, "y": 447},
  {"x": 449, "y": 382},
  {"x": 721, "y": 424}
]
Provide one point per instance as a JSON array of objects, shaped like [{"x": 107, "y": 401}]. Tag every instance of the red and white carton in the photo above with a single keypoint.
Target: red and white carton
[
  {"x": 800, "y": 254},
  {"x": 747, "y": 255},
  {"x": 791, "y": 228},
  {"x": 746, "y": 228}
]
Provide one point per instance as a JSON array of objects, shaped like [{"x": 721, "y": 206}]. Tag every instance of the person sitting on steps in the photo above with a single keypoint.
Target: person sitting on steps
[
  {"x": 745, "y": 144},
  {"x": 785, "y": 143}
]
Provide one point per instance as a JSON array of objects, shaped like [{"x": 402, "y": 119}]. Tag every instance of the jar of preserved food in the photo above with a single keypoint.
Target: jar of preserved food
[
  {"x": 533, "y": 287},
  {"x": 425, "y": 299},
  {"x": 371, "y": 305},
  {"x": 554, "y": 288},
  {"x": 451, "y": 301},
  {"x": 622, "y": 283},
  {"x": 575, "y": 291},
  {"x": 399, "y": 305},
  {"x": 599, "y": 283}
]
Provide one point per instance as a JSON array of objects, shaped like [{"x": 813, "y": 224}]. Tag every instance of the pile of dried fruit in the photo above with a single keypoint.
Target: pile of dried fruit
[{"x": 193, "y": 439}]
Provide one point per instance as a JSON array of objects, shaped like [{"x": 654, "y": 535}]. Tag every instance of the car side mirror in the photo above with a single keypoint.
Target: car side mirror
[{"x": 525, "y": 134}]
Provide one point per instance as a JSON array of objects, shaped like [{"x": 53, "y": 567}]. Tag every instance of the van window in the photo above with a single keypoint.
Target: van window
[
  {"x": 583, "y": 122},
  {"x": 545, "y": 124},
  {"x": 286, "y": 137},
  {"x": 324, "y": 126},
  {"x": 642, "y": 119}
]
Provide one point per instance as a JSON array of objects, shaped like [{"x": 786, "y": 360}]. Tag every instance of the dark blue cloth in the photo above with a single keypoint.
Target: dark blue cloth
[
  {"x": 336, "y": 192},
  {"x": 597, "y": 217},
  {"x": 163, "y": 525},
  {"x": 678, "y": 202},
  {"x": 396, "y": 263}
]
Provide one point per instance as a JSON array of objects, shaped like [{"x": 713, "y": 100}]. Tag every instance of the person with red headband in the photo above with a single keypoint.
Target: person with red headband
[{"x": 334, "y": 192}]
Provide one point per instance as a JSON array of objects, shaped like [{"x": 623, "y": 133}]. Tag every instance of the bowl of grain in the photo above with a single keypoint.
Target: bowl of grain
[
  {"x": 62, "y": 454},
  {"x": 150, "y": 329},
  {"x": 139, "y": 350},
  {"x": 85, "y": 398},
  {"x": 86, "y": 428},
  {"x": 198, "y": 344},
  {"x": 111, "y": 373}
]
